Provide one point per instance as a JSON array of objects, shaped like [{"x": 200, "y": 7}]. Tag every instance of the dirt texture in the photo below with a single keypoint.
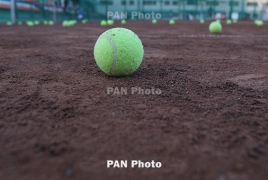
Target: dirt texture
[{"x": 210, "y": 121}]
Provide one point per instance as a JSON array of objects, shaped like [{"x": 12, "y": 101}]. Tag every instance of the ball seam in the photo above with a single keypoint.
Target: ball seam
[{"x": 114, "y": 49}]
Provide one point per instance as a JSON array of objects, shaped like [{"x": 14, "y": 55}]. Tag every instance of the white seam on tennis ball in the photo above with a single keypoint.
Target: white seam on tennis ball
[{"x": 114, "y": 48}]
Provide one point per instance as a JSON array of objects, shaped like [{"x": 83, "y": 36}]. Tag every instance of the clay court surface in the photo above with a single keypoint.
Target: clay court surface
[{"x": 210, "y": 121}]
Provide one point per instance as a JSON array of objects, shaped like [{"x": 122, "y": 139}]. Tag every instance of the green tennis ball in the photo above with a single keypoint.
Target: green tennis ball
[
  {"x": 202, "y": 21},
  {"x": 110, "y": 22},
  {"x": 45, "y": 22},
  {"x": 218, "y": 20},
  {"x": 36, "y": 22},
  {"x": 171, "y": 22},
  {"x": 30, "y": 23},
  {"x": 234, "y": 21},
  {"x": 70, "y": 23},
  {"x": 123, "y": 21},
  {"x": 154, "y": 21},
  {"x": 65, "y": 23},
  {"x": 51, "y": 23},
  {"x": 103, "y": 23},
  {"x": 118, "y": 52},
  {"x": 215, "y": 27},
  {"x": 84, "y": 21},
  {"x": 259, "y": 22},
  {"x": 228, "y": 21},
  {"x": 9, "y": 23}
]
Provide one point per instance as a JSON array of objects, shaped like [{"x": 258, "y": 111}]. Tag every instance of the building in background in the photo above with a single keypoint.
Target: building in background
[
  {"x": 97, "y": 9},
  {"x": 180, "y": 9}
]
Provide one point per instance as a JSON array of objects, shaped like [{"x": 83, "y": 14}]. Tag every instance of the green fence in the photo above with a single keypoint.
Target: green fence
[
  {"x": 97, "y": 9},
  {"x": 47, "y": 10}
]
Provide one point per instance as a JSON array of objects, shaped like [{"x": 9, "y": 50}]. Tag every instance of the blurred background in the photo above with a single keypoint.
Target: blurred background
[{"x": 60, "y": 10}]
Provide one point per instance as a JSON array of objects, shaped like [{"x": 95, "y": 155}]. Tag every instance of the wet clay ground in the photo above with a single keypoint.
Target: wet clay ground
[{"x": 209, "y": 122}]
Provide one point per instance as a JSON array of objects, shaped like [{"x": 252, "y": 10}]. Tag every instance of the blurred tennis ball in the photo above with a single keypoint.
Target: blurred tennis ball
[
  {"x": 36, "y": 22},
  {"x": 30, "y": 23},
  {"x": 202, "y": 21},
  {"x": 123, "y": 21},
  {"x": 215, "y": 27},
  {"x": 218, "y": 20},
  {"x": 234, "y": 21},
  {"x": 110, "y": 22},
  {"x": 45, "y": 22},
  {"x": 84, "y": 21},
  {"x": 259, "y": 22},
  {"x": 71, "y": 22},
  {"x": 51, "y": 23},
  {"x": 171, "y": 22},
  {"x": 154, "y": 21},
  {"x": 118, "y": 52},
  {"x": 65, "y": 23},
  {"x": 9, "y": 23},
  {"x": 103, "y": 23},
  {"x": 228, "y": 21}
]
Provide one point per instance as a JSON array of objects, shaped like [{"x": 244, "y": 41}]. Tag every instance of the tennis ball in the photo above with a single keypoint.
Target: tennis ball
[
  {"x": 259, "y": 22},
  {"x": 215, "y": 27},
  {"x": 65, "y": 23},
  {"x": 123, "y": 21},
  {"x": 19, "y": 23},
  {"x": 110, "y": 22},
  {"x": 71, "y": 22},
  {"x": 36, "y": 22},
  {"x": 84, "y": 21},
  {"x": 234, "y": 21},
  {"x": 154, "y": 21},
  {"x": 228, "y": 21},
  {"x": 45, "y": 22},
  {"x": 51, "y": 23},
  {"x": 9, "y": 23},
  {"x": 30, "y": 23},
  {"x": 118, "y": 52},
  {"x": 218, "y": 20},
  {"x": 171, "y": 22},
  {"x": 202, "y": 21},
  {"x": 103, "y": 23}
]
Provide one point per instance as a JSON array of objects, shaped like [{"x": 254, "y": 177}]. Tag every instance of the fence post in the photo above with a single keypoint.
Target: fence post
[
  {"x": 106, "y": 9},
  {"x": 161, "y": 7},
  {"x": 54, "y": 12},
  {"x": 12, "y": 11}
]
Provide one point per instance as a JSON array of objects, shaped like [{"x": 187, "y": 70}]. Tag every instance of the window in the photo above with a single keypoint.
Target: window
[
  {"x": 167, "y": 3},
  {"x": 192, "y": 2},
  {"x": 131, "y": 2},
  {"x": 108, "y": 2},
  {"x": 149, "y": 2},
  {"x": 175, "y": 2},
  {"x": 212, "y": 3},
  {"x": 123, "y": 2},
  {"x": 234, "y": 3},
  {"x": 252, "y": 4}
]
